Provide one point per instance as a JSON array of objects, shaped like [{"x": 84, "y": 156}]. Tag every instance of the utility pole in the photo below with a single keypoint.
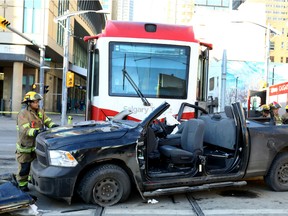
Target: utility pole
[
  {"x": 223, "y": 80},
  {"x": 65, "y": 70},
  {"x": 66, "y": 16},
  {"x": 267, "y": 54},
  {"x": 236, "y": 93}
]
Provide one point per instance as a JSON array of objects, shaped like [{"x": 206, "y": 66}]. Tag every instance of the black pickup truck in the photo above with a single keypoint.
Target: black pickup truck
[{"x": 102, "y": 161}]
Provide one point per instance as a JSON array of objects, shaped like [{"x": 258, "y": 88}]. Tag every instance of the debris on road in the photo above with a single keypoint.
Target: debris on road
[
  {"x": 152, "y": 201},
  {"x": 12, "y": 198}
]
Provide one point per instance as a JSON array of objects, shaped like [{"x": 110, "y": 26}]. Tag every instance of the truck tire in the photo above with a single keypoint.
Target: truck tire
[
  {"x": 105, "y": 185},
  {"x": 277, "y": 176}
]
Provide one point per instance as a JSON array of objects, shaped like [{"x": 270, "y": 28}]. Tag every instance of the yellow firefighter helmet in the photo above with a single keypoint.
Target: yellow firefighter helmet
[
  {"x": 31, "y": 96},
  {"x": 265, "y": 107}
]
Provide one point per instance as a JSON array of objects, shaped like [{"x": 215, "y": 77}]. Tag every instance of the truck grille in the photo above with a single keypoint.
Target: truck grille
[{"x": 41, "y": 153}]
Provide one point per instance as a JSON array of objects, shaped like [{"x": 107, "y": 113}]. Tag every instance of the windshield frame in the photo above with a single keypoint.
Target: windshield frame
[{"x": 153, "y": 85}]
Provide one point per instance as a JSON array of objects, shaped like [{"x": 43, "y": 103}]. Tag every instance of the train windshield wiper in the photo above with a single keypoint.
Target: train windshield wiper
[{"x": 130, "y": 80}]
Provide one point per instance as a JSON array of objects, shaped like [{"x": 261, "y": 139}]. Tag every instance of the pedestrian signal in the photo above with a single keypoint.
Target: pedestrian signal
[
  {"x": 69, "y": 79},
  {"x": 4, "y": 23}
]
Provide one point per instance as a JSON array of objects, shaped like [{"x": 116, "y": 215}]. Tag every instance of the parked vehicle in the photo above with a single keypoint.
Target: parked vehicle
[
  {"x": 277, "y": 92},
  {"x": 102, "y": 161}
]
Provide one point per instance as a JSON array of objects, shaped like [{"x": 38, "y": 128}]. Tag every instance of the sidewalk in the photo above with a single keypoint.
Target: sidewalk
[
  {"x": 9, "y": 123},
  {"x": 77, "y": 117}
]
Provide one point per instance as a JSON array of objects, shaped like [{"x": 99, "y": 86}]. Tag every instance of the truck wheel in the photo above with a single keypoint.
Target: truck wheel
[
  {"x": 105, "y": 185},
  {"x": 277, "y": 176}
]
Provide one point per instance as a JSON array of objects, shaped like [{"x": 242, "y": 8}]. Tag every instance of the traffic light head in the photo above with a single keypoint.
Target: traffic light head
[
  {"x": 70, "y": 79},
  {"x": 46, "y": 89},
  {"x": 4, "y": 23}
]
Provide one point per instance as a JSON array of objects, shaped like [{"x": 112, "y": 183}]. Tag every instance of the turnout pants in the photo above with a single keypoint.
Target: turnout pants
[{"x": 24, "y": 161}]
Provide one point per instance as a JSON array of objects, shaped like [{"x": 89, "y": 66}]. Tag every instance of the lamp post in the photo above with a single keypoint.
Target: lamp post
[
  {"x": 223, "y": 79},
  {"x": 269, "y": 30},
  {"x": 273, "y": 74},
  {"x": 66, "y": 16}
]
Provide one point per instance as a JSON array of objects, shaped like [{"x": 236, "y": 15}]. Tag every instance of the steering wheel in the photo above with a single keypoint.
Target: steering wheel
[{"x": 163, "y": 129}]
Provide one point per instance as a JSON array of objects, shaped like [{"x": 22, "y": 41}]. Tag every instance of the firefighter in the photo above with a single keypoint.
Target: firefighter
[
  {"x": 285, "y": 116},
  {"x": 265, "y": 110},
  {"x": 31, "y": 120},
  {"x": 274, "y": 106}
]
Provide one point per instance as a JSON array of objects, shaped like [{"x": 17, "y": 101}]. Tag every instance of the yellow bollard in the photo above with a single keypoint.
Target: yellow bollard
[{"x": 70, "y": 118}]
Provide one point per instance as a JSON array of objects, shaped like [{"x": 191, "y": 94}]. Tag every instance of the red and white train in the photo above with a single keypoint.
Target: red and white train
[{"x": 137, "y": 66}]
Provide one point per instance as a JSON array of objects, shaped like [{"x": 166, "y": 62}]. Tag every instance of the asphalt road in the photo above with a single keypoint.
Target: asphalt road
[{"x": 253, "y": 199}]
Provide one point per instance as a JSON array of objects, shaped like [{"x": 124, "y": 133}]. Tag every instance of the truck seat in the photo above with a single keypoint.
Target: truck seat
[
  {"x": 191, "y": 144},
  {"x": 220, "y": 130}
]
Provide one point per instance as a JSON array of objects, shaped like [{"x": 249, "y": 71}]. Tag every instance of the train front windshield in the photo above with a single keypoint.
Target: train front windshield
[{"x": 158, "y": 71}]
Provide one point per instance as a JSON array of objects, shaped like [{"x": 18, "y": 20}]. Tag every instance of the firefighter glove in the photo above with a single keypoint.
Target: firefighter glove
[
  {"x": 36, "y": 132},
  {"x": 54, "y": 125}
]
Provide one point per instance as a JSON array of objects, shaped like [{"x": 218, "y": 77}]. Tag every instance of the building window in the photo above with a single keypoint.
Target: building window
[
  {"x": 272, "y": 58},
  {"x": 282, "y": 45},
  {"x": 27, "y": 82},
  {"x": 286, "y": 59},
  {"x": 272, "y": 45},
  {"x": 32, "y": 16},
  {"x": 63, "y": 5},
  {"x": 281, "y": 60},
  {"x": 211, "y": 83}
]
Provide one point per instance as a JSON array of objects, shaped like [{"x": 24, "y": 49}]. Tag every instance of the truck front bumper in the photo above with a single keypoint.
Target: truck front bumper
[{"x": 54, "y": 181}]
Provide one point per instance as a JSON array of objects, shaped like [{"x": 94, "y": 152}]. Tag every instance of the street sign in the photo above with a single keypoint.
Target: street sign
[{"x": 47, "y": 59}]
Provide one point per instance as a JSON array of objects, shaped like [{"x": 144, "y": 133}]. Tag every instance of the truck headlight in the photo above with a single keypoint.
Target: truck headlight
[{"x": 62, "y": 158}]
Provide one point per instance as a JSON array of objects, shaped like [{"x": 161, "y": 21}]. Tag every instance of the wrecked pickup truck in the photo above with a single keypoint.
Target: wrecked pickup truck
[{"x": 102, "y": 161}]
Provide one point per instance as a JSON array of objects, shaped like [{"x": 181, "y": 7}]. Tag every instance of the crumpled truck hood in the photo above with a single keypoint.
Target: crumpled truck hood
[{"x": 82, "y": 132}]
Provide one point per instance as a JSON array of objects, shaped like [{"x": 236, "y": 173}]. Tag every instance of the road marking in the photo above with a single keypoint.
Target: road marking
[
  {"x": 245, "y": 211},
  {"x": 120, "y": 211}
]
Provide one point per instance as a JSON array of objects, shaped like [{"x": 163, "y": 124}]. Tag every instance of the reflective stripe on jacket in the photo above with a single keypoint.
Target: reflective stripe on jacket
[
  {"x": 21, "y": 149},
  {"x": 28, "y": 121}
]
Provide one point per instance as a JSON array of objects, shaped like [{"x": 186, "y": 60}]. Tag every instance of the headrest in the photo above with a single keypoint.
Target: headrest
[
  {"x": 228, "y": 111},
  {"x": 216, "y": 116}
]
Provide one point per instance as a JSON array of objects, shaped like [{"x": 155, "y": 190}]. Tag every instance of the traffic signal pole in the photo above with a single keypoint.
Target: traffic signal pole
[
  {"x": 66, "y": 16},
  {"x": 65, "y": 70},
  {"x": 5, "y": 25}
]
